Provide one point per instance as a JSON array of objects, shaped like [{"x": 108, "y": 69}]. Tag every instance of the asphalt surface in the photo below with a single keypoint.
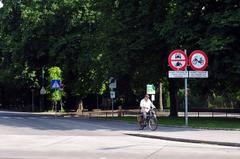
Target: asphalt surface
[{"x": 31, "y": 136}]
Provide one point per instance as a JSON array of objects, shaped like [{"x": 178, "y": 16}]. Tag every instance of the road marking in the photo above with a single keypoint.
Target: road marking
[
  {"x": 5, "y": 117},
  {"x": 11, "y": 117}
]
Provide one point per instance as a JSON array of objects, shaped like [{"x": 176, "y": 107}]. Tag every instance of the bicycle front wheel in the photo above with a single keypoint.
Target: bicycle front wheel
[{"x": 153, "y": 124}]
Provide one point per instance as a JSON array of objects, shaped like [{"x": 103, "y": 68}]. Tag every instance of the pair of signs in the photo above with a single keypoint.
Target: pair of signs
[
  {"x": 178, "y": 60},
  {"x": 188, "y": 74},
  {"x": 55, "y": 84}
]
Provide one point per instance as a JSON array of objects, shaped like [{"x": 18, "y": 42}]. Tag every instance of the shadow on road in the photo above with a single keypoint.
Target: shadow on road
[{"x": 50, "y": 123}]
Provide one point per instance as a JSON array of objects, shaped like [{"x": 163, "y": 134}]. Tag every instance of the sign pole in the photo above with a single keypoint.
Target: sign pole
[
  {"x": 55, "y": 84},
  {"x": 178, "y": 61},
  {"x": 42, "y": 96},
  {"x": 112, "y": 85},
  {"x": 186, "y": 96},
  {"x": 55, "y": 108},
  {"x": 112, "y": 107}
]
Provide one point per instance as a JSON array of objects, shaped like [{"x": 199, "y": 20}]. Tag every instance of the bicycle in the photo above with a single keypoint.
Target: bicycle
[
  {"x": 151, "y": 120},
  {"x": 200, "y": 61}
]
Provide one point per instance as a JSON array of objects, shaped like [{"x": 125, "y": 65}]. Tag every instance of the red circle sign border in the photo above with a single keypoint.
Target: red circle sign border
[
  {"x": 204, "y": 55},
  {"x": 172, "y": 66}
]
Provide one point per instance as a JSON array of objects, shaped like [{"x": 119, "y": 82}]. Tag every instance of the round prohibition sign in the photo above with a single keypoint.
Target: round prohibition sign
[
  {"x": 198, "y": 60},
  {"x": 178, "y": 60}
]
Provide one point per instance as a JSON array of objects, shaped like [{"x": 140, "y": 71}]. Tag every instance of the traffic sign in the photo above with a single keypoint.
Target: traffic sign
[
  {"x": 112, "y": 94},
  {"x": 178, "y": 60},
  {"x": 198, "y": 74},
  {"x": 43, "y": 91},
  {"x": 178, "y": 74},
  {"x": 55, "y": 84},
  {"x": 151, "y": 89},
  {"x": 112, "y": 83},
  {"x": 198, "y": 60},
  {"x": 153, "y": 97}
]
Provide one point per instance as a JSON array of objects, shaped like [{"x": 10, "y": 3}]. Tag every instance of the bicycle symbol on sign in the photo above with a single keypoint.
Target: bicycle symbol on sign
[{"x": 196, "y": 61}]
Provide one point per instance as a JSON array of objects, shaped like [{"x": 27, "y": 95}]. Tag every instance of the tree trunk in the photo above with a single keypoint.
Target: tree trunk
[
  {"x": 80, "y": 105},
  {"x": 173, "y": 98},
  {"x": 160, "y": 97}
]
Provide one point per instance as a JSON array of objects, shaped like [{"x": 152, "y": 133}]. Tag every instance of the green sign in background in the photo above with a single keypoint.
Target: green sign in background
[{"x": 151, "y": 89}]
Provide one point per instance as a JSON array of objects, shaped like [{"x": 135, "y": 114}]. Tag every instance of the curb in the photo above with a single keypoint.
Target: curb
[
  {"x": 185, "y": 140},
  {"x": 201, "y": 128}
]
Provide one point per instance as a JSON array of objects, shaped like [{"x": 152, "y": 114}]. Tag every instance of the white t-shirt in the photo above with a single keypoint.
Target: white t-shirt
[{"x": 146, "y": 105}]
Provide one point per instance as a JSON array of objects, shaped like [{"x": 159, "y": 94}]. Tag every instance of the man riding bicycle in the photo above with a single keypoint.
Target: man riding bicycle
[{"x": 145, "y": 106}]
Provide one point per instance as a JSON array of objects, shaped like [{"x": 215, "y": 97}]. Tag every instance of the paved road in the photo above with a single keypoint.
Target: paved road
[{"x": 41, "y": 137}]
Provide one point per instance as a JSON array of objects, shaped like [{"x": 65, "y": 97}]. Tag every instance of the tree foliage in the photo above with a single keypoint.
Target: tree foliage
[
  {"x": 92, "y": 40},
  {"x": 55, "y": 73}
]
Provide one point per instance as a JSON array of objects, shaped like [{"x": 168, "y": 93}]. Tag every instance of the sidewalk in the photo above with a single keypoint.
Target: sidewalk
[{"x": 217, "y": 137}]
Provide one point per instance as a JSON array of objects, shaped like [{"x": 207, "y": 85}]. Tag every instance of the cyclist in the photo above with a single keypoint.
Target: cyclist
[{"x": 145, "y": 106}]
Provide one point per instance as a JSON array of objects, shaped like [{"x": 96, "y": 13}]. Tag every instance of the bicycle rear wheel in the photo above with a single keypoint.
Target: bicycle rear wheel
[{"x": 153, "y": 124}]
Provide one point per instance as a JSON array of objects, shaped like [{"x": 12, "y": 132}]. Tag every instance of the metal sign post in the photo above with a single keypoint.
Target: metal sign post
[
  {"x": 112, "y": 107},
  {"x": 186, "y": 101},
  {"x": 186, "y": 96},
  {"x": 112, "y": 86},
  {"x": 112, "y": 95},
  {"x": 55, "y": 84},
  {"x": 55, "y": 110},
  {"x": 178, "y": 61},
  {"x": 42, "y": 93}
]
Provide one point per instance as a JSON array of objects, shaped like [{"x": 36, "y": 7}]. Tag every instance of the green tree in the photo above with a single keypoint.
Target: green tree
[
  {"x": 56, "y": 95},
  {"x": 133, "y": 51}
]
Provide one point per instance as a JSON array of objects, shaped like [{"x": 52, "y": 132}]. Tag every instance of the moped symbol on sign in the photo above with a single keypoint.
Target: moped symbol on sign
[
  {"x": 178, "y": 60},
  {"x": 198, "y": 60}
]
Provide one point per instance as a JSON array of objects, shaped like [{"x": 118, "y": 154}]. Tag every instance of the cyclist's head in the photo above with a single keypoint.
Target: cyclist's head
[{"x": 146, "y": 96}]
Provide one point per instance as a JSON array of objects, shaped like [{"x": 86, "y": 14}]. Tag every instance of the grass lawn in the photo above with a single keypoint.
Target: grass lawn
[{"x": 201, "y": 122}]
